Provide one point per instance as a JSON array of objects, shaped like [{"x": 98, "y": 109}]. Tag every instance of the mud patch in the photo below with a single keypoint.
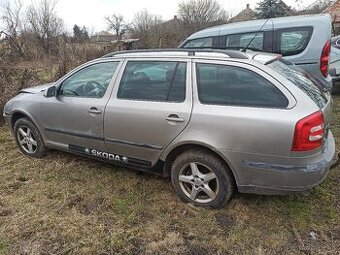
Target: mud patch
[
  {"x": 5, "y": 212},
  {"x": 23, "y": 179},
  {"x": 90, "y": 207},
  {"x": 73, "y": 201},
  {"x": 197, "y": 250},
  {"x": 173, "y": 243},
  {"x": 225, "y": 221}
]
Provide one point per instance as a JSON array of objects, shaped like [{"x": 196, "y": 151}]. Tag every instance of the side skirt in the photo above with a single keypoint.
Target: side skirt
[{"x": 118, "y": 160}]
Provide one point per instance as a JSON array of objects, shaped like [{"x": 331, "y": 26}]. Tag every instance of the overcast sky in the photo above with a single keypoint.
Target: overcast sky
[{"x": 91, "y": 13}]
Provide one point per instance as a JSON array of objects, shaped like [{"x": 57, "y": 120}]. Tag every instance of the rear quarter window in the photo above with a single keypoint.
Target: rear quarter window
[
  {"x": 292, "y": 41},
  {"x": 302, "y": 80},
  {"x": 231, "y": 85}
]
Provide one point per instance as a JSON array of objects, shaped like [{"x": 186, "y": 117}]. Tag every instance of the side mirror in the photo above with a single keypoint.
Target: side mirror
[{"x": 50, "y": 92}]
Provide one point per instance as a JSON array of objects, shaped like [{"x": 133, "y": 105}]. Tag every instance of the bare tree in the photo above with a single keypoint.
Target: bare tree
[
  {"x": 316, "y": 7},
  {"x": 117, "y": 24},
  {"x": 11, "y": 18},
  {"x": 145, "y": 27},
  {"x": 199, "y": 14},
  {"x": 44, "y": 23},
  {"x": 143, "y": 21}
]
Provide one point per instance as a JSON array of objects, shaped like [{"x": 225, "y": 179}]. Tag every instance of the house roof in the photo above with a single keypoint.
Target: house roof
[
  {"x": 249, "y": 14},
  {"x": 285, "y": 7},
  {"x": 246, "y": 14},
  {"x": 334, "y": 11},
  {"x": 333, "y": 7},
  {"x": 104, "y": 33},
  {"x": 173, "y": 21}
]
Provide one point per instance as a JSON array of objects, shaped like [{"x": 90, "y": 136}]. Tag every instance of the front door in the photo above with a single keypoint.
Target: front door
[
  {"x": 149, "y": 108},
  {"x": 74, "y": 118}
]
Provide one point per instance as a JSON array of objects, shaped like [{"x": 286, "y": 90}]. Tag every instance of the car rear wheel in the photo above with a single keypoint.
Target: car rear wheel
[
  {"x": 28, "y": 138},
  {"x": 201, "y": 178}
]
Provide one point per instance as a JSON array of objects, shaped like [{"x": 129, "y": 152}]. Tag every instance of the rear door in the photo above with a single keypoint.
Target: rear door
[{"x": 150, "y": 106}]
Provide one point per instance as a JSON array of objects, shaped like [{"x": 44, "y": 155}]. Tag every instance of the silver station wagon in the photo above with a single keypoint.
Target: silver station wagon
[{"x": 215, "y": 121}]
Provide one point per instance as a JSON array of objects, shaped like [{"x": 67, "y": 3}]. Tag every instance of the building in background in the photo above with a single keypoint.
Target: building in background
[
  {"x": 103, "y": 37},
  {"x": 246, "y": 14},
  {"x": 249, "y": 14},
  {"x": 334, "y": 11}
]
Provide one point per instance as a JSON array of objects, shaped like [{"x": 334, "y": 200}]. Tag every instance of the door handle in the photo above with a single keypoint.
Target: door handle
[
  {"x": 174, "y": 118},
  {"x": 94, "y": 110}
]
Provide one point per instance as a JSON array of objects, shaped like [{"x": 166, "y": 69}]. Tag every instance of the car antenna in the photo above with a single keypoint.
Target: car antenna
[{"x": 252, "y": 39}]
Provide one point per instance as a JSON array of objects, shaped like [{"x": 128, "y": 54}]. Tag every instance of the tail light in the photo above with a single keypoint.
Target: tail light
[
  {"x": 309, "y": 132},
  {"x": 325, "y": 58}
]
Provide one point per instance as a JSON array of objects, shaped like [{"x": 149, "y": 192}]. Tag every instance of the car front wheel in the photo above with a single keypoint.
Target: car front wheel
[
  {"x": 201, "y": 178},
  {"x": 28, "y": 138}
]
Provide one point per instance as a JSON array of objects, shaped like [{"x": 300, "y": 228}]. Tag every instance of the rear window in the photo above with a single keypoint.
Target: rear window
[{"x": 302, "y": 80}]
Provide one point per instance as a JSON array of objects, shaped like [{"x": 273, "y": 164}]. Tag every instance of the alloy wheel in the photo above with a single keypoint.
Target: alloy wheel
[
  {"x": 198, "y": 182},
  {"x": 27, "y": 140}
]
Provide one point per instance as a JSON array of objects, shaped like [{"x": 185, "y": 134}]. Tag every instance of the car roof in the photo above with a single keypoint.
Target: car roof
[
  {"x": 177, "y": 53},
  {"x": 255, "y": 25},
  {"x": 261, "y": 57}
]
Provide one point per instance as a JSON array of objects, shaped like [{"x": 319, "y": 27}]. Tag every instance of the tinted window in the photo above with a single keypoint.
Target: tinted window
[
  {"x": 154, "y": 81},
  {"x": 229, "y": 85},
  {"x": 91, "y": 81},
  {"x": 242, "y": 40},
  {"x": 301, "y": 79},
  {"x": 293, "y": 41},
  {"x": 200, "y": 43}
]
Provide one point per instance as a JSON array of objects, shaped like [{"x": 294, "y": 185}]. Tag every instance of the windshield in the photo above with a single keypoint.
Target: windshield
[{"x": 302, "y": 80}]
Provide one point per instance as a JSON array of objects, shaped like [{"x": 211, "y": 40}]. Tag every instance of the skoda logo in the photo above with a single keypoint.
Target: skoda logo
[
  {"x": 124, "y": 159},
  {"x": 87, "y": 150}
]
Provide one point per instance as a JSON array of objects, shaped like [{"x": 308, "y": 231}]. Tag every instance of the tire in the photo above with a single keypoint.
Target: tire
[
  {"x": 28, "y": 138},
  {"x": 196, "y": 171}
]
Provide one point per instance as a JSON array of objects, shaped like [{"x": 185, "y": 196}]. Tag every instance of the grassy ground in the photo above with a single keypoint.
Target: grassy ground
[{"x": 64, "y": 204}]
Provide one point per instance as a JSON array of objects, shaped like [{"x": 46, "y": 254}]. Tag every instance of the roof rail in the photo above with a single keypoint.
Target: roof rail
[{"x": 191, "y": 52}]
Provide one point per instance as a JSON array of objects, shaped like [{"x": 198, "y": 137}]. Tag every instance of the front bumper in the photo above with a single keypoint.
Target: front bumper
[
  {"x": 8, "y": 121},
  {"x": 288, "y": 175}
]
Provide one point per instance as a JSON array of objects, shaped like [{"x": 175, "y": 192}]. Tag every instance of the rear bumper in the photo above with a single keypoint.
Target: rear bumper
[{"x": 286, "y": 177}]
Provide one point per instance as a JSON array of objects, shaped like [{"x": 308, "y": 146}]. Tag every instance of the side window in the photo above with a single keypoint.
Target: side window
[
  {"x": 294, "y": 40},
  {"x": 91, "y": 81},
  {"x": 242, "y": 40},
  {"x": 153, "y": 81},
  {"x": 206, "y": 42},
  {"x": 230, "y": 85}
]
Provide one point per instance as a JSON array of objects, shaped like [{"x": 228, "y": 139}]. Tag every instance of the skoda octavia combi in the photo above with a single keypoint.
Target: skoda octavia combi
[{"x": 215, "y": 121}]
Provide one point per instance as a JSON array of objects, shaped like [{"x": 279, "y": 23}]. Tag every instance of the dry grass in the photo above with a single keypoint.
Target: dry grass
[{"x": 65, "y": 204}]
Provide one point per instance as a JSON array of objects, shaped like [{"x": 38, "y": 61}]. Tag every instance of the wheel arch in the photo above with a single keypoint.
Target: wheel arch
[
  {"x": 171, "y": 155},
  {"x": 18, "y": 114}
]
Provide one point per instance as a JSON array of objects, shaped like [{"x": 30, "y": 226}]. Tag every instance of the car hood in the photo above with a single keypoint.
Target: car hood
[{"x": 36, "y": 89}]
